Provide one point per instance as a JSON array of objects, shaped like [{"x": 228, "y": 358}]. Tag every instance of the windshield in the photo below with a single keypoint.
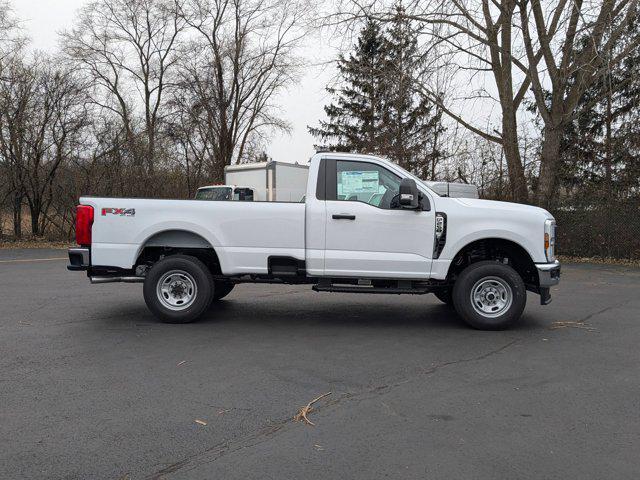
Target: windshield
[{"x": 214, "y": 193}]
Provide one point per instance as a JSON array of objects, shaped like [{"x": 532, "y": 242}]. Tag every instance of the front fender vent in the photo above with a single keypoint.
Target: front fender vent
[{"x": 440, "y": 234}]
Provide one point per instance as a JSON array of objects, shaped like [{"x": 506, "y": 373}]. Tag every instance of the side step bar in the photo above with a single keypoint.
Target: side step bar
[
  {"x": 404, "y": 287},
  {"x": 116, "y": 279}
]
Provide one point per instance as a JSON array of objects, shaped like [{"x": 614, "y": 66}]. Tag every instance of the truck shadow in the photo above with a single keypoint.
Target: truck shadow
[
  {"x": 348, "y": 312},
  {"x": 341, "y": 314},
  {"x": 310, "y": 310}
]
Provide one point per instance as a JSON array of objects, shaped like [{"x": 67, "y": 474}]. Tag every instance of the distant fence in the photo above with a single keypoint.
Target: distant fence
[{"x": 599, "y": 230}]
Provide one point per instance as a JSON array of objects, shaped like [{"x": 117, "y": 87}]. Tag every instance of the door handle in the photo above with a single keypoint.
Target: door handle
[{"x": 343, "y": 216}]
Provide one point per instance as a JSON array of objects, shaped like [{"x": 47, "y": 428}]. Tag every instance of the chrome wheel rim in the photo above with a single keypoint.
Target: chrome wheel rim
[
  {"x": 176, "y": 290},
  {"x": 491, "y": 297}
]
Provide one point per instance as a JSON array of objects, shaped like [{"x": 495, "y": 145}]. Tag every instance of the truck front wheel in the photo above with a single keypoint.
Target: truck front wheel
[
  {"x": 489, "y": 295},
  {"x": 178, "y": 289}
]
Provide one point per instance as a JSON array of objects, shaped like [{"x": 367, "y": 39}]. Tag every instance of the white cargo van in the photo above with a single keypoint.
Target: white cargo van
[{"x": 270, "y": 181}]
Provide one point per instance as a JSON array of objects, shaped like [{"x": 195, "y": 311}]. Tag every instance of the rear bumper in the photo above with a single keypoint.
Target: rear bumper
[
  {"x": 548, "y": 274},
  {"x": 79, "y": 259}
]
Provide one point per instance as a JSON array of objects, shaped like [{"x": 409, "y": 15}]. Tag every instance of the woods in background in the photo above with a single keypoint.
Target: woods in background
[
  {"x": 145, "y": 98},
  {"x": 539, "y": 98},
  {"x": 533, "y": 101}
]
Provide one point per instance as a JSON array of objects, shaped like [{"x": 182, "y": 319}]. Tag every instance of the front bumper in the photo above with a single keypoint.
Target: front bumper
[
  {"x": 79, "y": 259},
  {"x": 548, "y": 274}
]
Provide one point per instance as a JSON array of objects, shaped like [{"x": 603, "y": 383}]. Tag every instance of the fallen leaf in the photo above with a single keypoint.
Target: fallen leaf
[
  {"x": 581, "y": 325},
  {"x": 181, "y": 363},
  {"x": 301, "y": 416},
  {"x": 201, "y": 422}
]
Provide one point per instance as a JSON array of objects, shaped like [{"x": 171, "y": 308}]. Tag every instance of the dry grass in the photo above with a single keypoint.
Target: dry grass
[
  {"x": 601, "y": 261},
  {"x": 33, "y": 243}
]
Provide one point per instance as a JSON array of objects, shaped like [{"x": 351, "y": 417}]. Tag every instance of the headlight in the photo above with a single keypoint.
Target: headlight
[{"x": 550, "y": 240}]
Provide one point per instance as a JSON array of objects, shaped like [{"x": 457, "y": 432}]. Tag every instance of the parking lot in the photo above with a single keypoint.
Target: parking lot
[{"x": 92, "y": 386}]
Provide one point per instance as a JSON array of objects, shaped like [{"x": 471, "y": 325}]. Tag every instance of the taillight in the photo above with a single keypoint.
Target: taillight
[{"x": 84, "y": 221}]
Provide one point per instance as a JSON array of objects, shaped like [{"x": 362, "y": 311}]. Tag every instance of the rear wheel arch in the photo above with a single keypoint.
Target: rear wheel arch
[{"x": 177, "y": 242}]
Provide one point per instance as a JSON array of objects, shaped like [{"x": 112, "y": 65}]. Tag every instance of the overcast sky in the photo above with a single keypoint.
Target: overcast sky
[{"x": 301, "y": 105}]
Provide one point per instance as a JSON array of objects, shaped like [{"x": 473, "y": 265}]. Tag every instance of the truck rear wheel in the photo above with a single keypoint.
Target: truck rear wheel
[
  {"x": 489, "y": 295},
  {"x": 178, "y": 289}
]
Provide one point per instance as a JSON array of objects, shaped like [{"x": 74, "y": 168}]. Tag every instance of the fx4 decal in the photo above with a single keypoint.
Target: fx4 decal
[{"x": 123, "y": 212}]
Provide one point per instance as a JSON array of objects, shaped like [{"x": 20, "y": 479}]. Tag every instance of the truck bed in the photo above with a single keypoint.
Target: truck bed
[{"x": 246, "y": 233}]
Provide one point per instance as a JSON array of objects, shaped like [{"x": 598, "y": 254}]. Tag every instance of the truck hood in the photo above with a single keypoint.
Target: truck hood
[{"x": 502, "y": 206}]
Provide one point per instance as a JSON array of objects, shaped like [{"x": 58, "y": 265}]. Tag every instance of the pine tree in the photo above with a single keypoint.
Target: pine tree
[
  {"x": 409, "y": 122},
  {"x": 355, "y": 117},
  {"x": 379, "y": 107},
  {"x": 600, "y": 154}
]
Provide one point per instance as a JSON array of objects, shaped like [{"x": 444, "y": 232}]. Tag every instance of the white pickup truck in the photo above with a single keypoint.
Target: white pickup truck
[{"x": 366, "y": 226}]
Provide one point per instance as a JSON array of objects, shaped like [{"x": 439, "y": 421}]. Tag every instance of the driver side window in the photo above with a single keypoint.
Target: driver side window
[{"x": 366, "y": 182}]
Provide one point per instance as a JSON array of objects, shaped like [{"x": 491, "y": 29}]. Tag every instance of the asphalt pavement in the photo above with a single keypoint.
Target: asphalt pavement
[{"x": 93, "y": 387}]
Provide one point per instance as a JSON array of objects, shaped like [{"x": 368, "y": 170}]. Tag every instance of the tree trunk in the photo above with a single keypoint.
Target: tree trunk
[
  {"x": 35, "y": 220},
  {"x": 517, "y": 181},
  {"x": 608, "y": 147},
  {"x": 549, "y": 161},
  {"x": 17, "y": 215}
]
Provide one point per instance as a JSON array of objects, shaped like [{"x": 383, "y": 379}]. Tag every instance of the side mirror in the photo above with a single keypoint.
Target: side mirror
[{"x": 409, "y": 196}]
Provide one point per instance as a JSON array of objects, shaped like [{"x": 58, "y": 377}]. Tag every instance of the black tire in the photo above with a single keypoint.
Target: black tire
[
  {"x": 493, "y": 282},
  {"x": 221, "y": 289},
  {"x": 445, "y": 296},
  {"x": 182, "y": 277}
]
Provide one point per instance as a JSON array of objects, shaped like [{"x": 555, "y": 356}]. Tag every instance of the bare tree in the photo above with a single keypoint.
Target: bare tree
[
  {"x": 574, "y": 59},
  {"x": 16, "y": 87},
  {"x": 128, "y": 49},
  {"x": 11, "y": 38},
  {"x": 42, "y": 111},
  {"x": 11, "y": 42},
  {"x": 472, "y": 36},
  {"x": 523, "y": 45},
  {"x": 243, "y": 58},
  {"x": 190, "y": 136}
]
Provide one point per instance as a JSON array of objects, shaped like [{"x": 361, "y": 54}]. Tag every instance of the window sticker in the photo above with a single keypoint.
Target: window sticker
[{"x": 354, "y": 182}]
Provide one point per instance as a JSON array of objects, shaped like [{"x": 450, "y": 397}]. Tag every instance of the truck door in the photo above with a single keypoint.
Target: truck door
[{"x": 367, "y": 234}]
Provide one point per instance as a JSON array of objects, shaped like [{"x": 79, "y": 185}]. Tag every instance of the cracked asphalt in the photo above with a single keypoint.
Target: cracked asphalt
[{"x": 92, "y": 387}]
